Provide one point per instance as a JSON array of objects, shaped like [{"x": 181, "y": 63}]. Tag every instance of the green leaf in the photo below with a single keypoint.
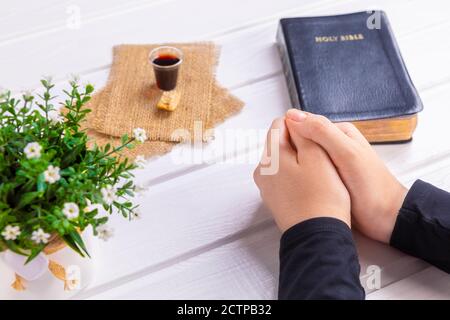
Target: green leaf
[
  {"x": 67, "y": 172},
  {"x": 41, "y": 185},
  {"x": 44, "y": 83},
  {"x": 127, "y": 204},
  {"x": 72, "y": 244},
  {"x": 89, "y": 88},
  {"x": 3, "y": 246},
  {"x": 86, "y": 99},
  {"x": 124, "y": 138},
  {"x": 34, "y": 253},
  {"x": 102, "y": 220},
  {"x": 66, "y": 224},
  {"x": 77, "y": 239},
  {"x": 15, "y": 248},
  {"x": 128, "y": 185},
  {"x": 72, "y": 155},
  {"x": 27, "y": 198}
]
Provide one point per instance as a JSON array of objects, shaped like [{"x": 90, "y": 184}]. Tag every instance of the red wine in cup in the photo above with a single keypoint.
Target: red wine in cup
[{"x": 166, "y": 77}]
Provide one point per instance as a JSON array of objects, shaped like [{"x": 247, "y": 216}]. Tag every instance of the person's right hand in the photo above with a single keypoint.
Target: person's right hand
[
  {"x": 376, "y": 195},
  {"x": 304, "y": 183}
]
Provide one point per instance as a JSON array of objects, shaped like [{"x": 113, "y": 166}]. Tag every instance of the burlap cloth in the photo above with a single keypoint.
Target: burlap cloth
[{"x": 129, "y": 99}]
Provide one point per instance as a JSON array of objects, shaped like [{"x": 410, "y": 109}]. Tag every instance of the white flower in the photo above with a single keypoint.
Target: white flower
[
  {"x": 52, "y": 174},
  {"x": 71, "y": 210},
  {"x": 109, "y": 194},
  {"x": 139, "y": 134},
  {"x": 27, "y": 95},
  {"x": 91, "y": 206},
  {"x": 140, "y": 188},
  {"x": 140, "y": 161},
  {"x": 32, "y": 150},
  {"x": 105, "y": 232},
  {"x": 11, "y": 232},
  {"x": 55, "y": 117},
  {"x": 39, "y": 236},
  {"x": 74, "y": 78},
  {"x": 135, "y": 215},
  {"x": 48, "y": 78}
]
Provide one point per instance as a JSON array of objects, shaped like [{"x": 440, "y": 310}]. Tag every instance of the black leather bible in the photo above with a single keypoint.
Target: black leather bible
[{"x": 349, "y": 68}]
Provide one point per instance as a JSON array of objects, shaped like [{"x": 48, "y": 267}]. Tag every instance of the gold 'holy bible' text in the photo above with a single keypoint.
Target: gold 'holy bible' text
[{"x": 338, "y": 38}]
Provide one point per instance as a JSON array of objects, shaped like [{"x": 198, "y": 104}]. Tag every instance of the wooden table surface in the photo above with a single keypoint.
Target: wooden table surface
[{"x": 204, "y": 231}]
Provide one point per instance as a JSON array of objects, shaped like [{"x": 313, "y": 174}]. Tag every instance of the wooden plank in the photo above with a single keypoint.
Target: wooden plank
[
  {"x": 243, "y": 269},
  {"x": 431, "y": 283},
  {"x": 88, "y": 48},
  {"x": 34, "y": 56},
  {"x": 22, "y": 18}
]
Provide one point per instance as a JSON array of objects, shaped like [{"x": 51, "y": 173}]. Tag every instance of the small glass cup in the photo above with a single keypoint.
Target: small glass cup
[{"x": 166, "y": 62}]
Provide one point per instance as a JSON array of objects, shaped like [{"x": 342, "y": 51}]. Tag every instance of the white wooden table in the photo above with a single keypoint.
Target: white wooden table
[{"x": 205, "y": 233}]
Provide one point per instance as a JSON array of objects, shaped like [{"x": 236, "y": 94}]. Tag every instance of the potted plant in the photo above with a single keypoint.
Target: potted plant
[{"x": 53, "y": 186}]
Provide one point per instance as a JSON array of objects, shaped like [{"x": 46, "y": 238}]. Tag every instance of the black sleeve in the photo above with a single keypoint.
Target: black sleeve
[
  {"x": 318, "y": 260},
  {"x": 422, "y": 228}
]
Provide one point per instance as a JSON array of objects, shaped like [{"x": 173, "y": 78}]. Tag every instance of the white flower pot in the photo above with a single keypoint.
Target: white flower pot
[{"x": 40, "y": 283}]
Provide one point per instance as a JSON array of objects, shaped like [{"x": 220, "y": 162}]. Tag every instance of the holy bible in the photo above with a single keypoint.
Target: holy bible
[{"x": 349, "y": 68}]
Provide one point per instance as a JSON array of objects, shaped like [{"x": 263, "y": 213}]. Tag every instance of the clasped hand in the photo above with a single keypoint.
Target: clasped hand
[{"x": 328, "y": 170}]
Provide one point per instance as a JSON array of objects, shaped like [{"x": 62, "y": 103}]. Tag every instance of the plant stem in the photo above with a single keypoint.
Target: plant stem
[
  {"x": 47, "y": 93},
  {"x": 117, "y": 148},
  {"x": 24, "y": 110}
]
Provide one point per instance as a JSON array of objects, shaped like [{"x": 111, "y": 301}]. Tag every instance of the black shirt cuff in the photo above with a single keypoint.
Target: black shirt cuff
[
  {"x": 422, "y": 228},
  {"x": 292, "y": 236},
  {"x": 318, "y": 260}
]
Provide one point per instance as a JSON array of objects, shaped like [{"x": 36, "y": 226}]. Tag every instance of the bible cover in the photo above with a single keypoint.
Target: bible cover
[{"x": 346, "y": 67}]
